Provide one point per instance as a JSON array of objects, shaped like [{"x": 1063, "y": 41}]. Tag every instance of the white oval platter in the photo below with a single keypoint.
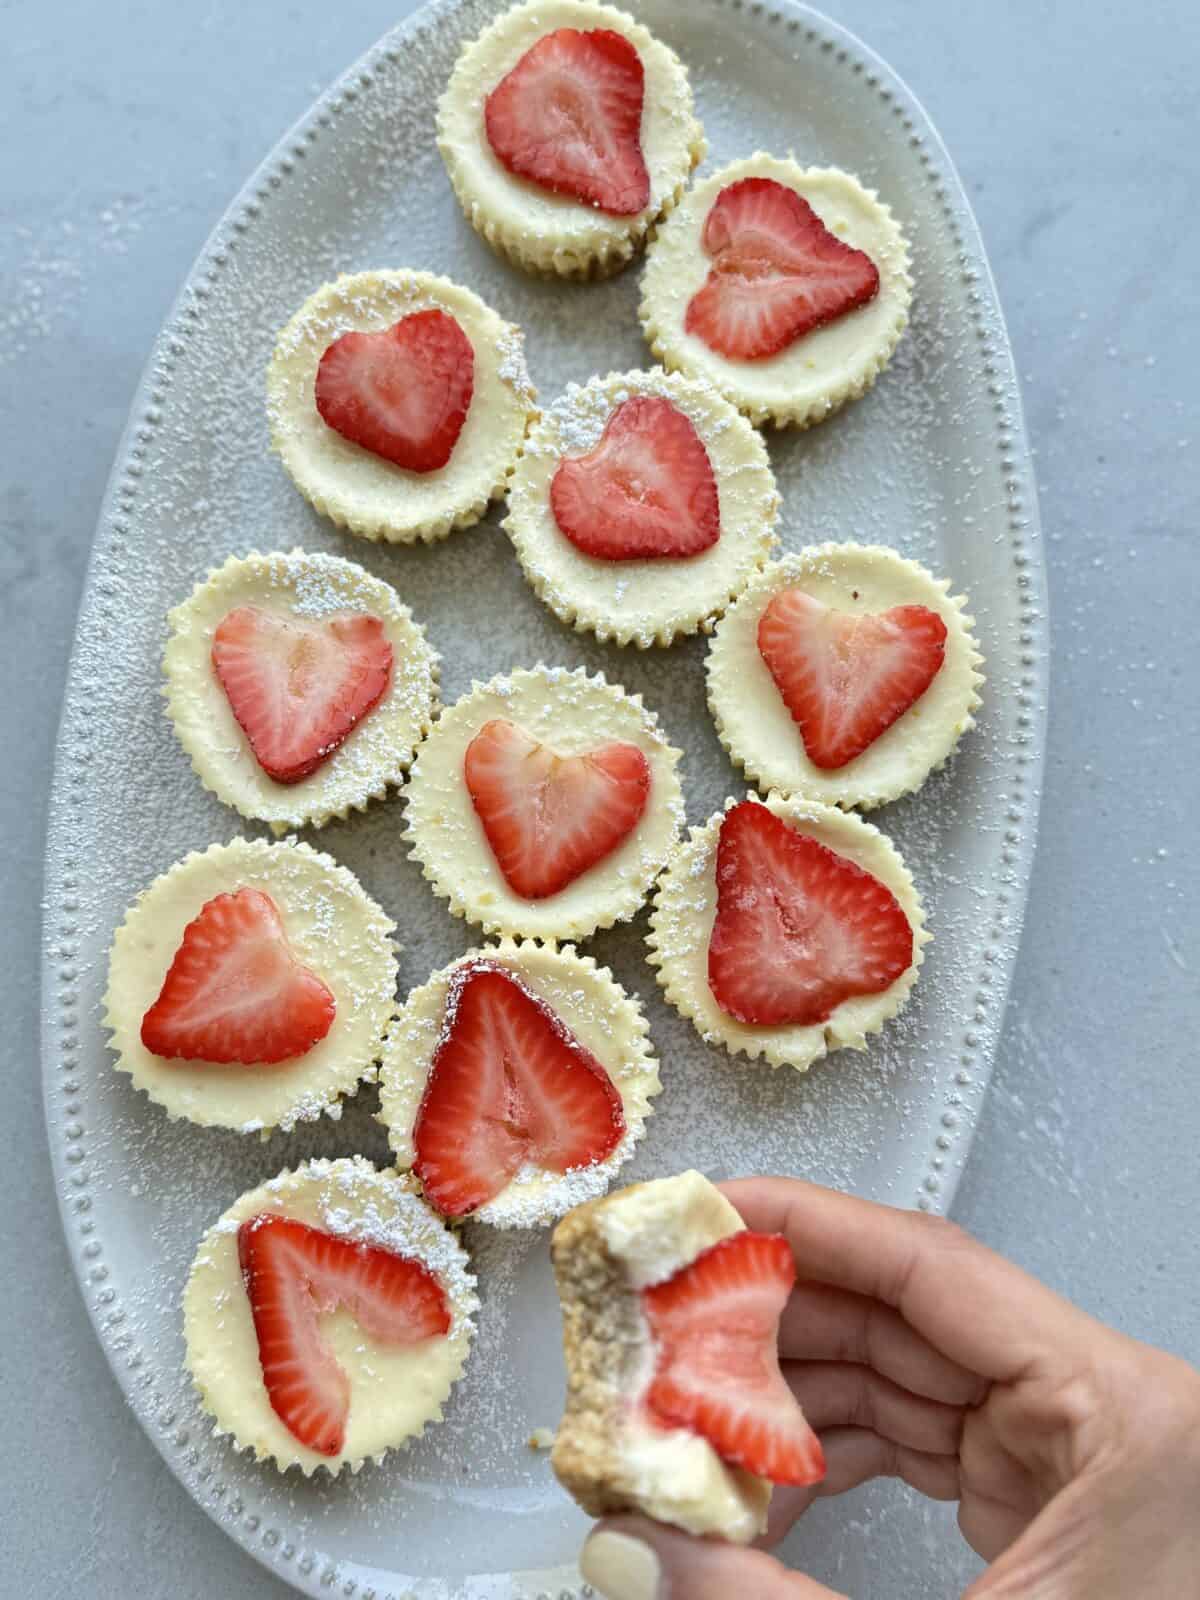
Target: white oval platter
[{"x": 933, "y": 461}]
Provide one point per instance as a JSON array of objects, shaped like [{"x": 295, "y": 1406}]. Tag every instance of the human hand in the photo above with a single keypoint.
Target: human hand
[{"x": 1073, "y": 1451}]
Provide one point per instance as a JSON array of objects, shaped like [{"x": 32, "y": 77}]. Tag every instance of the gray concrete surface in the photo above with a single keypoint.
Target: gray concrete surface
[{"x": 124, "y": 130}]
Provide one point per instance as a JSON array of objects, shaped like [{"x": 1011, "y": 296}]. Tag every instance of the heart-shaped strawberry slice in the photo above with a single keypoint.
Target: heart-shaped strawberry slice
[
  {"x": 294, "y": 1274},
  {"x": 510, "y": 1084},
  {"x": 647, "y": 489},
  {"x": 402, "y": 393},
  {"x": 846, "y": 678},
  {"x": 568, "y": 117},
  {"x": 235, "y": 992},
  {"x": 777, "y": 272},
  {"x": 549, "y": 818},
  {"x": 799, "y": 929},
  {"x": 298, "y": 687}
]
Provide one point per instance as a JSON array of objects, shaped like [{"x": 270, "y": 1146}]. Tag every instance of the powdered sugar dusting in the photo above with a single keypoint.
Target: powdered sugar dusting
[
  {"x": 323, "y": 320},
  {"x": 316, "y": 596},
  {"x": 402, "y": 1223},
  {"x": 530, "y": 1200},
  {"x": 579, "y": 417},
  {"x": 512, "y": 368},
  {"x": 573, "y": 423}
]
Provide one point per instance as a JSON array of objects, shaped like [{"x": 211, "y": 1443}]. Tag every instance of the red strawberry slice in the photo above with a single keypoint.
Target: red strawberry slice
[
  {"x": 646, "y": 490},
  {"x": 298, "y": 688},
  {"x": 550, "y": 818},
  {"x": 777, "y": 272},
  {"x": 846, "y": 679},
  {"x": 403, "y": 393},
  {"x": 235, "y": 992},
  {"x": 715, "y": 1325},
  {"x": 799, "y": 929},
  {"x": 295, "y": 1274},
  {"x": 510, "y": 1084},
  {"x": 569, "y": 118}
]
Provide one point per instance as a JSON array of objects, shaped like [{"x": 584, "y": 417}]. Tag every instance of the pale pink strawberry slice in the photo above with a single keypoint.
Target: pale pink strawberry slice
[
  {"x": 568, "y": 117},
  {"x": 298, "y": 687},
  {"x": 715, "y": 1325},
  {"x": 846, "y": 679},
  {"x": 647, "y": 489},
  {"x": 294, "y": 1274},
  {"x": 550, "y": 818},
  {"x": 510, "y": 1084},
  {"x": 402, "y": 393},
  {"x": 799, "y": 929},
  {"x": 777, "y": 272},
  {"x": 235, "y": 991}
]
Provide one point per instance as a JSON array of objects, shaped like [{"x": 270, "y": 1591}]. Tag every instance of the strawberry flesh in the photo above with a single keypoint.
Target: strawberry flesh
[
  {"x": 510, "y": 1084},
  {"x": 298, "y": 688},
  {"x": 235, "y": 993},
  {"x": 799, "y": 929},
  {"x": 402, "y": 393},
  {"x": 568, "y": 117},
  {"x": 846, "y": 679},
  {"x": 777, "y": 272},
  {"x": 550, "y": 818},
  {"x": 647, "y": 490},
  {"x": 715, "y": 1324},
  {"x": 294, "y": 1274}
]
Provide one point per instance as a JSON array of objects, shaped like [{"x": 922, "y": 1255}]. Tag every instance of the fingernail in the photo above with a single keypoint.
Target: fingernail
[{"x": 621, "y": 1568}]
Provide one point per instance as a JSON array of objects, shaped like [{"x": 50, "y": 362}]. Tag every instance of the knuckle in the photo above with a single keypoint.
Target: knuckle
[
  {"x": 863, "y": 1412},
  {"x": 877, "y": 1334},
  {"x": 856, "y": 1337},
  {"x": 1167, "y": 1395}
]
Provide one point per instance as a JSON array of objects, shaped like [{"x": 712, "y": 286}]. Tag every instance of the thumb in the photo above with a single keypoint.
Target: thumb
[{"x": 631, "y": 1558}]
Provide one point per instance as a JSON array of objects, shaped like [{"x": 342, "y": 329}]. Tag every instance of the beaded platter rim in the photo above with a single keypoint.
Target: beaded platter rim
[{"x": 193, "y": 1457}]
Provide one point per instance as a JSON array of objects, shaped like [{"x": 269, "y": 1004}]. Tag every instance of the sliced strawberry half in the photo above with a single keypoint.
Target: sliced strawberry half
[
  {"x": 799, "y": 929},
  {"x": 295, "y": 1274},
  {"x": 777, "y": 272},
  {"x": 550, "y": 818},
  {"x": 568, "y": 117},
  {"x": 510, "y": 1084},
  {"x": 846, "y": 679},
  {"x": 715, "y": 1325},
  {"x": 298, "y": 688},
  {"x": 235, "y": 992},
  {"x": 402, "y": 393},
  {"x": 646, "y": 490}
]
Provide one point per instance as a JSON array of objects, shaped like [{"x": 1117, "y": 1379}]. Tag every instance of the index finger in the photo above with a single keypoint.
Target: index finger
[{"x": 971, "y": 1304}]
